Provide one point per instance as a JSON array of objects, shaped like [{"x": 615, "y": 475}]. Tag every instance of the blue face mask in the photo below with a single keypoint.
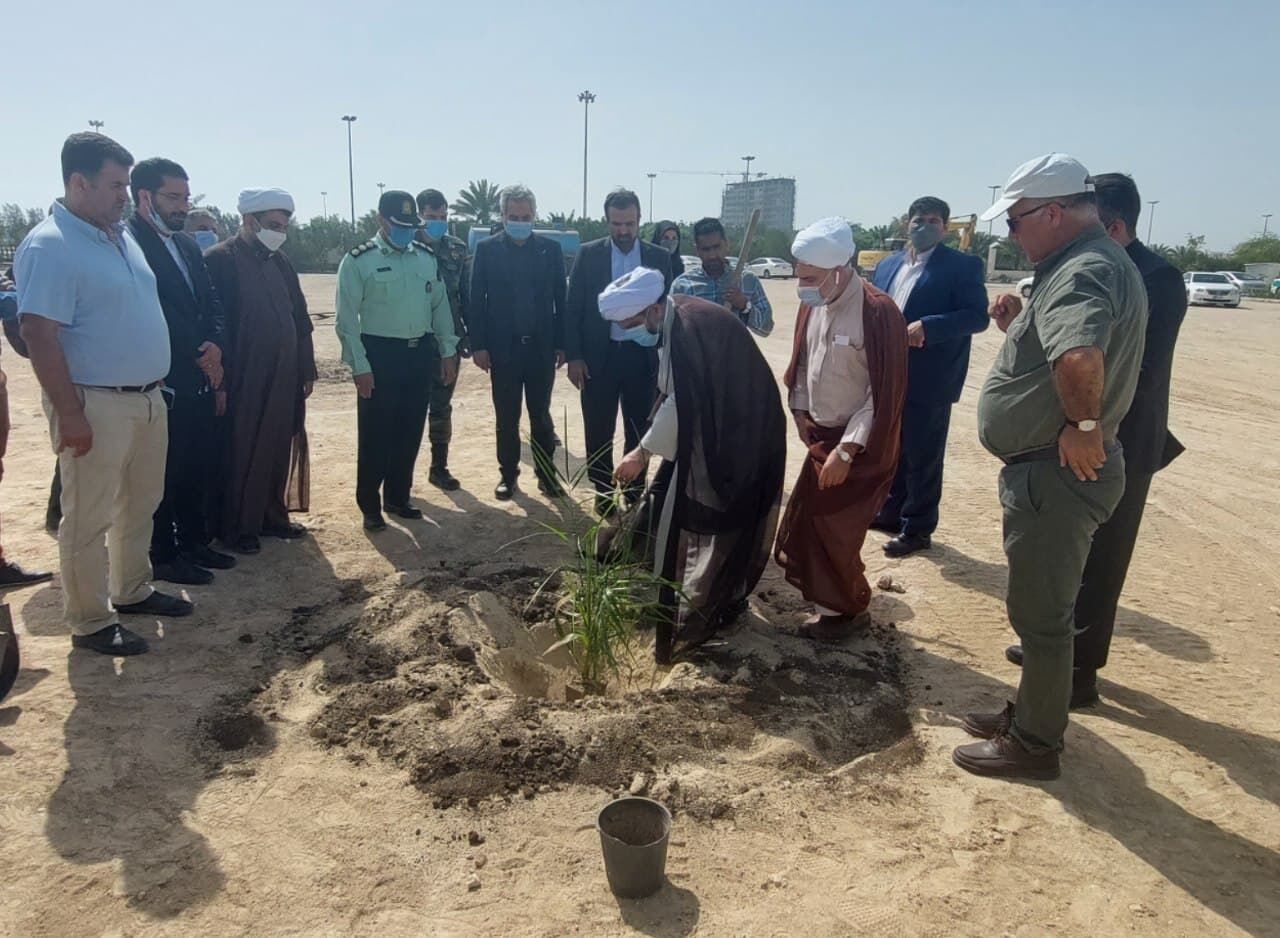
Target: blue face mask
[
  {"x": 437, "y": 228},
  {"x": 518, "y": 230},
  {"x": 206, "y": 239},
  {"x": 641, "y": 336},
  {"x": 400, "y": 237}
]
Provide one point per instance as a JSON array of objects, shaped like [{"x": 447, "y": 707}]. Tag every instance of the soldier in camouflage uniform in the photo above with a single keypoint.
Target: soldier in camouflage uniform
[{"x": 451, "y": 255}]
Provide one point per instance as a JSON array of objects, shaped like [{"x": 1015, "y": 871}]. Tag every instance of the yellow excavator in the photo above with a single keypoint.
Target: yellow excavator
[{"x": 868, "y": 259}]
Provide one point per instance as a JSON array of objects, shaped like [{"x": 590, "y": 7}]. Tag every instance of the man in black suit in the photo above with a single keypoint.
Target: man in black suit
[
  {"x": 180, "y": 538},
  {"x": 607, "y": 364},
  {"x": 1144, "y": 434},
  {"x": 516, "y": 320}
]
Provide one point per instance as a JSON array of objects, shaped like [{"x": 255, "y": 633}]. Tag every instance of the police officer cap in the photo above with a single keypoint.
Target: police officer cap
[{"x": 399, "y": 208}]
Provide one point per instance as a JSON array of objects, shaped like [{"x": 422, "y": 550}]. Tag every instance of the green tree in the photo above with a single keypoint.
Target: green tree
[
  {"x": 1260, "y": 250},
  {"x": 478, "y": 203},
  {"x": 15, "y": 222}
]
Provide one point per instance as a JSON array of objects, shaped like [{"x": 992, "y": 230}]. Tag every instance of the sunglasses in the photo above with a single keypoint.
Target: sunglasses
[{"x": 1012, "y": 220}]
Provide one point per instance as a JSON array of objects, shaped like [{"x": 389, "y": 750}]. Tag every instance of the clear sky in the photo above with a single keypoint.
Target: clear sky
[{"x": 866, "y": 105}]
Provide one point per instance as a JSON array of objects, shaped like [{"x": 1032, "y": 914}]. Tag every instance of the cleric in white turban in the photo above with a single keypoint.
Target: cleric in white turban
[
  {"x": 846, "y": 383},
  {"x": 253, "y": 201},
  {"x": 271, "y": 372},
  {"x": 827, "y": 243},
  {"x": 623, "y": 303}
]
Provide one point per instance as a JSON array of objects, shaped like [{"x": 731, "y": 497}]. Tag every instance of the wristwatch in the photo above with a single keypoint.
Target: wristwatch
[
  {"x": 843, "y": 454},
  {"x": 1088, "y": 426}
]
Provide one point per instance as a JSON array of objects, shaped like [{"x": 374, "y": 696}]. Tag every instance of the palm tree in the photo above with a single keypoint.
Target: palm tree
[
  {"x": 478, "y": 203},
  {"x": 561, "y": 220},
  {"x": 879, "y": 234}
]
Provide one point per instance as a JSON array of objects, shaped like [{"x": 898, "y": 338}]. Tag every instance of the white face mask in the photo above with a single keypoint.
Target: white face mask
[
  {"x": 272, "y": 240},
  {"x": 812, "y": 296}
]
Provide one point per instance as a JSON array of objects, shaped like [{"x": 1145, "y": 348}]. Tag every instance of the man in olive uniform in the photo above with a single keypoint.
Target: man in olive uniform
[
  {"x": 451, "y": 258},
  {"x": 397, "y": 332}
]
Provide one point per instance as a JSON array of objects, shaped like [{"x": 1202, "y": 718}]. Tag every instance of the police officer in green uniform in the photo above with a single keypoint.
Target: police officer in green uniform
[
  {"x": 451, "y": 257},
  {"x": 397, "y": 336}
]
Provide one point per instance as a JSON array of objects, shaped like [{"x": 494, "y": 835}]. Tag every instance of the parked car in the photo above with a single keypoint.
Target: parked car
[
  {"x": 1275, "y": 287},
  {"x": 767, "y": 267},
  {"x": 1024, "y": 287},
  {"x": 1210, "y": 288},
  {"x": 691, "y": 262},
  {"x": 1247, "y": 284}
]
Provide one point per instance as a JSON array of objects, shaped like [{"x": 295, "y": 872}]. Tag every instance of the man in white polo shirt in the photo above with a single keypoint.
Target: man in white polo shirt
[{"x": 99, "y": 345}]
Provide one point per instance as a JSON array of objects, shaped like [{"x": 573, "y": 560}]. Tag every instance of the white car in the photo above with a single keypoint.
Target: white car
[
  {"x": 1210, "y": 288},
  {"x": 768, "y": 267},
  {"x": 1247, "y": 284},
  {"x": 1024, "y": 287},
  {"x": 691, "y": 262}
]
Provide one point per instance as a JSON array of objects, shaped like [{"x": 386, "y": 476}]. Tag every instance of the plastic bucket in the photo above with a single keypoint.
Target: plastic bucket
[{"x": 633, "y": 836}]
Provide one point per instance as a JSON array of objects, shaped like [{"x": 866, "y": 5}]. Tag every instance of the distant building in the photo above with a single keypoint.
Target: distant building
[{"x": 776, "y": 199}]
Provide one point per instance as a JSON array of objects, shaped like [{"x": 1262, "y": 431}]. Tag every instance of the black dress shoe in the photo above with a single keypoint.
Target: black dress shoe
[
  {"x": 288, "y": 532},
  {"x": 551, "y": 488},
  {"x": 905, "y": 544},
  {"x": 404, "y": 511},
  {"x": 443, "y": 479},
  {"x": 159, "y": 604},
  {"x": 375, "y": 522},
  {"x": 887, "y": 527},
  {"x": 245, "y": 544},
  {"x": 1084, "y": 683},
  {"x": 989, "y": 725},
  {"x": 114, "y": 640},
  {"x": 181, "y": 571},
  {"x": 12, "y": 574},
  {"x": 504, "y": 491},
  {"x": 202, "y": 555}
]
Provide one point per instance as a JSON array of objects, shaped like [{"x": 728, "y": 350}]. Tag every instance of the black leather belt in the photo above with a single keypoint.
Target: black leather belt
[
  {"x": 132, "y": 388},
  {"x": 389, "y": 340}
]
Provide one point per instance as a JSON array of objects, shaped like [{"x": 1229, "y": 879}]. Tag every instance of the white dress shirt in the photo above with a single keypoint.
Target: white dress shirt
[
  {"x": 904, "y": 281},
  {"x": 622, "y": 264},
  {"x": 834, "y": 381}
]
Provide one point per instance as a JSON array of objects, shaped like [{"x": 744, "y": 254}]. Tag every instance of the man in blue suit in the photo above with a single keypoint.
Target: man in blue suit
[{"x": 943, "y": 297}]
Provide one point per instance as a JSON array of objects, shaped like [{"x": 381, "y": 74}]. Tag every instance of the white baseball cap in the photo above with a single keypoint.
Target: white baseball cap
[{"x": 1045, "y": 177}]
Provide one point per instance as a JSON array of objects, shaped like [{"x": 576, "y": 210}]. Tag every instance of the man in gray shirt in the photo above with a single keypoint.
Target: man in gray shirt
[
  {"x": 99, "y": 346},
  {"x": 1050, "y": 410}
]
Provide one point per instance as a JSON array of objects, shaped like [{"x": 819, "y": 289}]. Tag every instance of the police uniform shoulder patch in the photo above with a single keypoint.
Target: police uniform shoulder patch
[
  {"x": 363, "y": 248},
  {"x": 423, "y": 246}
]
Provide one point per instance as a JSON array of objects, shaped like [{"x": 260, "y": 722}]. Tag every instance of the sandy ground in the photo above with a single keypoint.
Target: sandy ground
[{"x": 189, "y": 791}]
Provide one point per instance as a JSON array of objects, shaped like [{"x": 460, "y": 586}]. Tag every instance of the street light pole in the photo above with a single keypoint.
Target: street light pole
[
  {"x": 746, "y": 173},
  {"x": 351, "y": 171},
  {"x": 97, "y": 125},
  {"x": 381, "y": 188},
  {"x": 994, "y": 190},
  {"x": 651, "y": 176},
  {"x": 1265, "y": 219},
  {"x": 586, "y": 98},
  {"x": 324, "y": 198},
  {"x": 1152, "y": 217}
]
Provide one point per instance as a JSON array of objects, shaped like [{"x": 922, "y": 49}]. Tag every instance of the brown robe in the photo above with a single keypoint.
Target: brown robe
[
  {"x": 820, "y": 538},
  {"x": 270, "y": 360}
]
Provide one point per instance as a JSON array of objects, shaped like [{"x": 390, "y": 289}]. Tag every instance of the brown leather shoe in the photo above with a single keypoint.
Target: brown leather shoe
[
  {"x": 1003, "y": 756},
  {"x": 989, "y": 725},
  {"x": 835, "y": 628}
]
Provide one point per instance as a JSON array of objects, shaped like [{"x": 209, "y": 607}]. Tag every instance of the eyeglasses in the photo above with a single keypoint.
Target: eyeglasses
[{"x": 1012, "y": 220}]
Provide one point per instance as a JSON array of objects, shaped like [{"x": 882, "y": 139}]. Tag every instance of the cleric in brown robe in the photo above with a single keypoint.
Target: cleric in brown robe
[
  {"x": 270, "y": 371},
  {"x": 721, "y": 431},
  {"x": 847, "y": 383}
]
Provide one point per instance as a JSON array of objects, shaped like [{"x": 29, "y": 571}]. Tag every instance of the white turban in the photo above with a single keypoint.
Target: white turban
[
  {"x": 827, "y": 243},
  {"x": 631, "y": 293},
  {"x": 252, "y": 201}
]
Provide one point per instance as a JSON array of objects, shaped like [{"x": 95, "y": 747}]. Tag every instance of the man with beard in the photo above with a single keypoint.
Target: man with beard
[
  {"x": 180, "y": 551},
  {"x": 714, "y": 280},
  {"x": 609, "y": 365},
  {"x": 848, "y": 381},
  {"x": 721, "y": 432},
  {"x": 271, "y": 367}
]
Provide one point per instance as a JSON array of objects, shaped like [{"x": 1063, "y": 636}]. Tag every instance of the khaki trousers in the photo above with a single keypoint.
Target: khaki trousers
[{"x": 109, "y": 496}]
